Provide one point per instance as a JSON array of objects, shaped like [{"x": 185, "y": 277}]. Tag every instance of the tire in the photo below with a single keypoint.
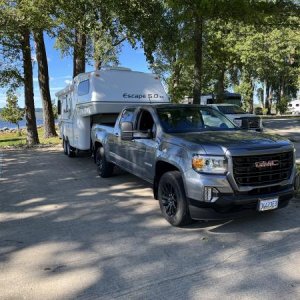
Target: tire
[
  {"x": 70, "y": 150},
  {"x": 172, "y": 199},
  {"x": 104, "y": 168},
  {"x": 65, "y": 146}
]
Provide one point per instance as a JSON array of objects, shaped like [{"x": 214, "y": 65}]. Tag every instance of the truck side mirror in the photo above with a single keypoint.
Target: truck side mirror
[
  {"x": 245, "y": 124},
  {"x": 127, "y": 131},
  {"x": 59, "y": 107}
]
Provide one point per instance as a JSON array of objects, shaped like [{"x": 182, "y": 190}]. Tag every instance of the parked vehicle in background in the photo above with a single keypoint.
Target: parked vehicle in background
[
  {"x": 200, "y": 164},
  {"x": 98, "y": 97},
  {"x": 236, "y": 114},
  {"x": 294, "y": 107},
  {"x": 229, "y": 98}
]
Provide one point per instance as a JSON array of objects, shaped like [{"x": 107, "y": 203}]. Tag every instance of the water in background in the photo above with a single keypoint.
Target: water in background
[{"x": 22, "y": 124}]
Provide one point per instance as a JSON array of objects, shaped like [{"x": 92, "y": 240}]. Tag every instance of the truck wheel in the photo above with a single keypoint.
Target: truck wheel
[
  {"x": 104, "y": 168},
  {"x": 70, "y": 150},
  {"x": 172, "y": 199}
]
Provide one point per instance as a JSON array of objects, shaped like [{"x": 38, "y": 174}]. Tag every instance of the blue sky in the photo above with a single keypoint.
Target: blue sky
[{"x": 60, "y": 70}]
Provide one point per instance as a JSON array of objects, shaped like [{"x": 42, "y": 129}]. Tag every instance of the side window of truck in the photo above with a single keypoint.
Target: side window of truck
[{"x": 145, "y": 121}]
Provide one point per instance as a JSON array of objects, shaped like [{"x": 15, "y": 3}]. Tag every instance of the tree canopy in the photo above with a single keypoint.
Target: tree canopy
[{"x": 196, "y": 47}]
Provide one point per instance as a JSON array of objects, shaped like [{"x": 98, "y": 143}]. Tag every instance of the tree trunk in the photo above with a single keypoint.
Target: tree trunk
[
  {"x": 198, "y": 30},
  {"x": 43, "y": 76},
  {"x": 19, "y": 132},
  {"x": 280, "y": 93},
  {"x": 97, "y": 64},
  {"x": 268, "y": 102},
  {"x": 97, "y": 56},
  {"x": 251, "y": 106},
  {"x": 32, "y": 134},
  {"x": 176, "y": 96},
  {"x": 176, "y": 76},
  {"x": 221, "y": 87},
  {"x": 79, "y": 53}
]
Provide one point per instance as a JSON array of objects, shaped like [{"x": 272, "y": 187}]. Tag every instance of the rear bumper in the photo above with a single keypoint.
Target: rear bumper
[{"x": 235, "y": 205}]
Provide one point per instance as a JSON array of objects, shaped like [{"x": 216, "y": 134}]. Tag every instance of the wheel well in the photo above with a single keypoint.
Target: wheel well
[
  {"x": 97, "y": 145},
  {"x": 161, "y": 168}
]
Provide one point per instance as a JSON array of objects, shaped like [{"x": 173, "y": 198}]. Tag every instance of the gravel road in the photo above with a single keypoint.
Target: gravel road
[{"x": 65, "y": 233}]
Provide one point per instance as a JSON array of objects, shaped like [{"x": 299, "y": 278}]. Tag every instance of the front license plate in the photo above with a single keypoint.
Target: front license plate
[{"x": 267, "y": 204}]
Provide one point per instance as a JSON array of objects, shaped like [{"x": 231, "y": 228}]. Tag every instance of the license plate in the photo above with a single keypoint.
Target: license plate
[{"x": 267, "y": 204}]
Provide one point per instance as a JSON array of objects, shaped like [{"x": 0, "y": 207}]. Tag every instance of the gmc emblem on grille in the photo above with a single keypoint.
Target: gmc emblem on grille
[{"x": 269, "y": 163}]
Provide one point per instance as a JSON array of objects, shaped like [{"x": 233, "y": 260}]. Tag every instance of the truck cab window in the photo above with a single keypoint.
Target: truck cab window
[{"x": 145, "y": 121}]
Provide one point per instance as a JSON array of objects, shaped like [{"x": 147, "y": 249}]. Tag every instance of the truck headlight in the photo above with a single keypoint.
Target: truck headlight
[{"x": 209, "y": 164}]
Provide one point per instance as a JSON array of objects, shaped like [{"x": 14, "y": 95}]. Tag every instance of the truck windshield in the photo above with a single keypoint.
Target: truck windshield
[
  {"x": 231, "y": 109},
  {"x": 180, "y": 119}
]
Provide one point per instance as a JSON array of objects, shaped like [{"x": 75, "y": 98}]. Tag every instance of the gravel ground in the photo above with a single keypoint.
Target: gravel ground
[{"x": 65, "y": 233}]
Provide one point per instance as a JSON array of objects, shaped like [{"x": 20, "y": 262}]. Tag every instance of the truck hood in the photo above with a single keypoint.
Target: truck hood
[{"x": 218, "y": 142}]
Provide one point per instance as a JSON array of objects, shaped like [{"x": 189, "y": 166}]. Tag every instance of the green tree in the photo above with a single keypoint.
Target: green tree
[
  {"x": 12, "y": 112},
  {"x": 55, "y": 109},
  {"x": 38, "y": 14},
  {"x": 43, "y": 77},
  {"x": 267, "y": 55},
  {"x": 16, "y": 66},
  {"x": 210, "y": 57},
  {"x": 34, "y": 17}
]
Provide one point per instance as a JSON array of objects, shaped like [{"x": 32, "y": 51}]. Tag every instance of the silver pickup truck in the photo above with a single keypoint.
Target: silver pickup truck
[{"x": 200, "y": 164}]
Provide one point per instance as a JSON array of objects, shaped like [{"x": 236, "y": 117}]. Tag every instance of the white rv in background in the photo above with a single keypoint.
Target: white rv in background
[
  {"x": 98, "y": 97},
  {"x": 294, "y": 107}
]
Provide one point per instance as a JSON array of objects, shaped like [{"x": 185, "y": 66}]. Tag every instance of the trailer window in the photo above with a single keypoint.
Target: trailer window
[
  {"x": 83, "y": 87},
  {"x": 59, "y": 107}
]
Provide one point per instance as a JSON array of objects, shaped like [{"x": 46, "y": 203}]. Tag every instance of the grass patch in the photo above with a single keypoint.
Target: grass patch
[{"x": 11, "y": 139}]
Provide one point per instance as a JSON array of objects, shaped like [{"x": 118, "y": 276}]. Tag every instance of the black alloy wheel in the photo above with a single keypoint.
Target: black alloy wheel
[
  {"x": 169, "y": 199},
  {"x": 172, "y": 199}
]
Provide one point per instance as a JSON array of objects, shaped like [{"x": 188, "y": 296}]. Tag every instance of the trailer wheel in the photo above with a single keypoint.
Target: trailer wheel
[
  {"x": 65, "y": 146},
  {"x": 70, "y": 150},
  {"x": 172, "y": 199},
  {"x": 104, "y": 168}
]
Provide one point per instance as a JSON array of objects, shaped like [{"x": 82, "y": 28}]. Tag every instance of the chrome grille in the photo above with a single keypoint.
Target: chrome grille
[{"x": 246, "y": 173}]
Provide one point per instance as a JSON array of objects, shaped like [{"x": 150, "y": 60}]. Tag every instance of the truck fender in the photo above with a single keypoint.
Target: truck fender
[{"x": 161, "y": 167}]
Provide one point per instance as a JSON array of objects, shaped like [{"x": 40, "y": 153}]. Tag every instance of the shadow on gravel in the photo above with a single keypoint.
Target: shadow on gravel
[{"x": 67, "y": 233}]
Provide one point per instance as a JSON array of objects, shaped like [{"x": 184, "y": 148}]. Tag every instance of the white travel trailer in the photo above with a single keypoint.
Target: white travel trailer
[
  {"x": 294, "y": 107},
  {"x": 98, "y": 97}
]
